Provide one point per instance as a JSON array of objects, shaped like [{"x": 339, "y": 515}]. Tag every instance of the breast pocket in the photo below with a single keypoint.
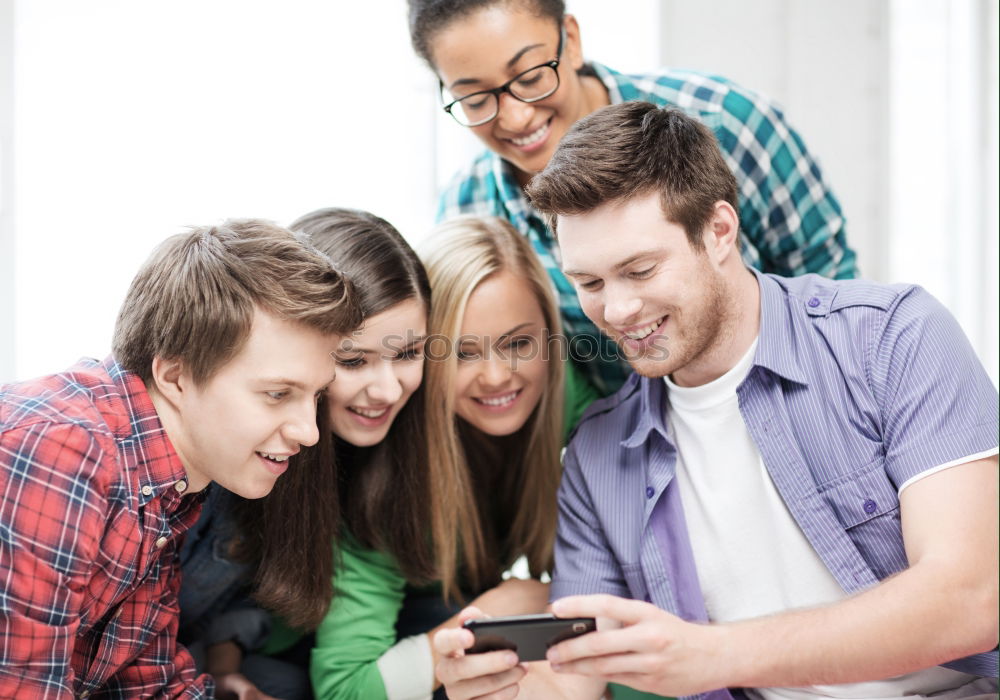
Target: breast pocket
[{"x": 867, "y": 506}]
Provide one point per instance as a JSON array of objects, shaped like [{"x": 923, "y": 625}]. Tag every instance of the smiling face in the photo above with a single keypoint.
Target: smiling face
[
  {"x": 241, "y": 425},
  {"x": 502, "y": 366},
  {"x": 379, "y": 368},
  {"x": 489, "y": 47},
  {"x": 641, "y": 282}
]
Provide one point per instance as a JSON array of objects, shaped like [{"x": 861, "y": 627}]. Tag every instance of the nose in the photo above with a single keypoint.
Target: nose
[
  {"x": 514, "y": 115},
  {"x": 385, "y": 386},
  {"x": 301, "y": 428},
  {"x": 496, "y": 371},
  {"x": 621, "y": 306}
]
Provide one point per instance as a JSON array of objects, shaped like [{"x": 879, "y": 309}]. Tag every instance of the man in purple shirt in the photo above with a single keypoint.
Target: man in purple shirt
[{"x": 796, "y": 494}]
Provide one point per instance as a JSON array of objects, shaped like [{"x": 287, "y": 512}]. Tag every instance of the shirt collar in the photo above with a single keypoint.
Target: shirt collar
[
  {"x": 652, "y": 395},
  {"x": 157, "y": 462},
  {"x": 777, "y": 339}
]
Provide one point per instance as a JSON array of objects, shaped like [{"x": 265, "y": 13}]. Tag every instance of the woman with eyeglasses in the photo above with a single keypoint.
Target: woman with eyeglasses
[{"x": 513, "y": 71}]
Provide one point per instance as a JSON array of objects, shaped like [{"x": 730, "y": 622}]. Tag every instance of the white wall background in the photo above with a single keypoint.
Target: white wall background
[{"x": 121, "y": 121}]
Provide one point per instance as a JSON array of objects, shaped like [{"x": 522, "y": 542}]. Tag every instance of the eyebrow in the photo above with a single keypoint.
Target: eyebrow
[
  {"x": 618, "y": 266},
  {"x": 510, "y": 64},
  {"x": 291, "y": 382},
  {"x": 505, "y": 334},
  {"x": 374, "y": 351}
]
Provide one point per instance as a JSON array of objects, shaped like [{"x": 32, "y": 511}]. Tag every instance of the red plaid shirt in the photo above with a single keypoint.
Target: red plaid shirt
[{"x": 91, "y": 513}]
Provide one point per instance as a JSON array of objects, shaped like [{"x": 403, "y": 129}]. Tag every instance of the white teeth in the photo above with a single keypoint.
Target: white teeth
[
  {"x": 274, "y": 458},
  {"x": 532, "y": 138},
  {"x": 499, "y": 400},
  {"x": 643, "y": 332},
  {"x": 369, "y": 412}
]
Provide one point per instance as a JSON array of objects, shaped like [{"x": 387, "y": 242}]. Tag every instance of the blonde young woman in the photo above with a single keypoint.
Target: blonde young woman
[{"x": 493, "y": 415}]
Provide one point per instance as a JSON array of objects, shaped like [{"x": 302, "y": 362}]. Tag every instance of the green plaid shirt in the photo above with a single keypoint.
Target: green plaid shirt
[{"x": 790, "y": 221}]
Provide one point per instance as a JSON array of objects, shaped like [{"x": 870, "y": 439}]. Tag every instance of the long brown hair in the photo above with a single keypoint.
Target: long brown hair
[
  {"x": 385, "y": 500},
  {"x": 382, "y": 495},
  {"x": 459, "y": 255}
]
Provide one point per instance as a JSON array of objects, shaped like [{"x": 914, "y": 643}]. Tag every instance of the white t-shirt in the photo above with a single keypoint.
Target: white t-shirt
[{"x": 752, "y": 558}]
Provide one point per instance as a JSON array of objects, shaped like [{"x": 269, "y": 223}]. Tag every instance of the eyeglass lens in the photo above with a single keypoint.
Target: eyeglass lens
[{"x": 530, "y": 86}]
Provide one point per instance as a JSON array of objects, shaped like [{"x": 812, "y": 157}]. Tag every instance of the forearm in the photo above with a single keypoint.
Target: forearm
[{"x": 917, "y": 619}]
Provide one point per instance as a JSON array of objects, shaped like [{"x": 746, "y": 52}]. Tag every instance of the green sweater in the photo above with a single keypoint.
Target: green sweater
[{"x": 359, "y": 627}]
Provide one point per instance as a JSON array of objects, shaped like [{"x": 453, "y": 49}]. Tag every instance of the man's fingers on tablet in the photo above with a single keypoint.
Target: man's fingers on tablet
[
  {"x": 609, "y": 666},
  {"x": 601, "y": 605},
  {"x": 594, "y": 644}
]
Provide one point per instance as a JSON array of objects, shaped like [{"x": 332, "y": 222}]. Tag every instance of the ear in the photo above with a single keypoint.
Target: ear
[
  {"x": 722, "y": 235},
  {"x": 572, "y": 48},
  {"x": 169, "y": 379}
]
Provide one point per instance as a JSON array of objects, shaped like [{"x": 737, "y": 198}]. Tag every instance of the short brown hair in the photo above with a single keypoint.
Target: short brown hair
[
  {"x": 629, "y": 150},
  {"x": 194, "y": 298}
]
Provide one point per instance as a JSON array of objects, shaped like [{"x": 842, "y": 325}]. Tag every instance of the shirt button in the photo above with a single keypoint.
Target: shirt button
[
  {"x": 870, "y": 506},
  {"x": 147, "y": 490},
  {"x": 161, "y": 542},
  {"x": 650, "y": 491},
  {"x": 813, "y": 302},
  {"x": 181, "y": 486}
]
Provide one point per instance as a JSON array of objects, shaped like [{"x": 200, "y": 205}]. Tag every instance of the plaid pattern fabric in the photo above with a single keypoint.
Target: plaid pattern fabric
[
  {"x": 91, "y": 512},
  {"x": 790, "y": 221}
]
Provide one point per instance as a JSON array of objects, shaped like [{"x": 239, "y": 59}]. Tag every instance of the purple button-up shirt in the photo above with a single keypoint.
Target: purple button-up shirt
[{"x": 855, "y": 388}]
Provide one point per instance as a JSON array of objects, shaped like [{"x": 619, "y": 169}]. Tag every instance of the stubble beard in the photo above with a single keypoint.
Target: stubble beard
[{"x": 703, "y": 330}]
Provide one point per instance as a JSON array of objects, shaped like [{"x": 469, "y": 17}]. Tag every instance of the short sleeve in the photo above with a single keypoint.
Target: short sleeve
[{"x": 936, "y": 401}]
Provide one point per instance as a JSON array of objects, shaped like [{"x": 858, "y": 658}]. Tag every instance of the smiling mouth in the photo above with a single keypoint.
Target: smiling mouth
[
  {"x": 273, "y": 457},
  {"x": 365, "y": 412},
  {"x": 640, "y": 333},
  {"x": 534, "y": 137},
  {"x": 501, "y": 401}
]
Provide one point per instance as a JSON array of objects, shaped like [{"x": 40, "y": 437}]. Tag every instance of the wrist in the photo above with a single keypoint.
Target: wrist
[{"x": 729, "y": 664}]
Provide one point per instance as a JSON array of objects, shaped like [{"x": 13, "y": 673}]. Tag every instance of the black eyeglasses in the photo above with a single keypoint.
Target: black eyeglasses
[{"x": 529, "y": 86}]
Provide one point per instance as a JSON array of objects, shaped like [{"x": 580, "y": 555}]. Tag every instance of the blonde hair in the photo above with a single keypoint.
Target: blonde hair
[{"x": 459, "y": 255}]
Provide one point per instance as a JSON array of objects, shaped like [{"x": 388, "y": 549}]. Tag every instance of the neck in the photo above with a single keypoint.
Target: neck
[{"x": 172, "y": 424}]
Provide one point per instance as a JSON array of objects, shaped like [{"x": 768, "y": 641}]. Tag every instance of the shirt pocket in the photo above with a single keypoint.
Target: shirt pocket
[{"x": 867, "y": 506}]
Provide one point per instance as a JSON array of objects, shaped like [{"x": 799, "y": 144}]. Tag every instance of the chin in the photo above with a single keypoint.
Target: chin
[{"x": 253, "y": 492}]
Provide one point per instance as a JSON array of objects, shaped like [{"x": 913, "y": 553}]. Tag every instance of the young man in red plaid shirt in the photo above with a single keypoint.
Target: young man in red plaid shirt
[{"x": 221, "y": 347}]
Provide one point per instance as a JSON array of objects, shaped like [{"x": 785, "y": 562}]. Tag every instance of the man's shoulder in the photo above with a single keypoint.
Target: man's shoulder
[
  {"x": 79, "y": 400},
  {"x": 819, "y": 296}
]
